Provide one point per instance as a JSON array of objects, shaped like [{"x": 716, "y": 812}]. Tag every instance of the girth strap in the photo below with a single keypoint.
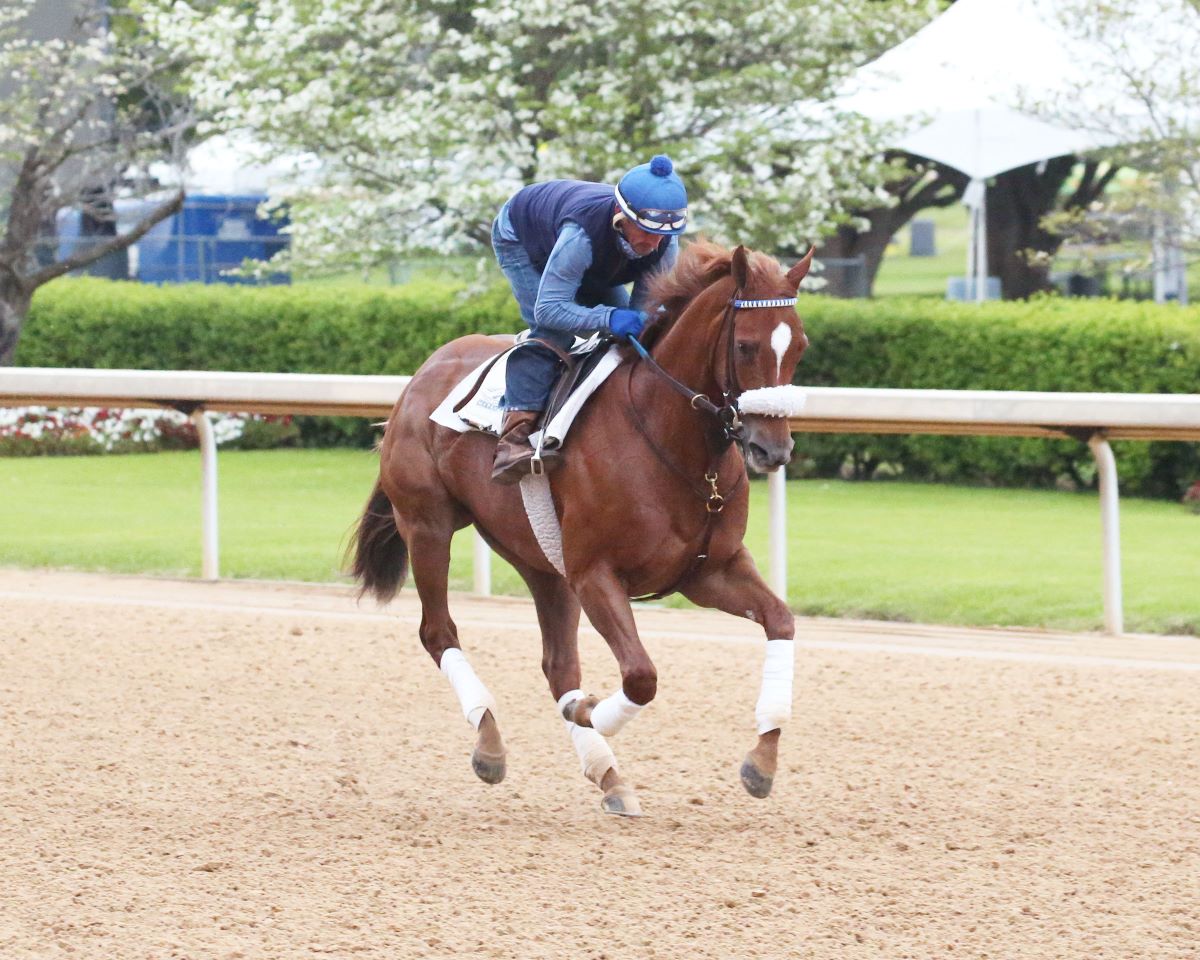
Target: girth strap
[{"x": 693, "y": 565}]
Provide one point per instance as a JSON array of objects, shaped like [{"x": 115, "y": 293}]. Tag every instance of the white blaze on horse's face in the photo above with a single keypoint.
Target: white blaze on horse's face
[
  {"x": 767, "y": 441},
  {"x": 781, "y": 339}
]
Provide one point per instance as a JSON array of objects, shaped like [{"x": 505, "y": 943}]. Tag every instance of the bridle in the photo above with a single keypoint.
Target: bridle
[
  {"x": 728, "y": 418},
  {"x": 727, "y": 414}
]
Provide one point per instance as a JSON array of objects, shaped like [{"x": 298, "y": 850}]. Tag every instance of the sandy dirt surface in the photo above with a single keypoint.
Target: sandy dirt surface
[{"x": 245, "y": 770}]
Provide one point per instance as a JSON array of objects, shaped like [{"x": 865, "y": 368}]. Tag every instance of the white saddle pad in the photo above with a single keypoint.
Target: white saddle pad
[{"x": 484, "y": 412}]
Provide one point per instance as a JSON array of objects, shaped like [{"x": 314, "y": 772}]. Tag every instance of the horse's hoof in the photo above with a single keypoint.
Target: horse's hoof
[
  {"x": 621, "y": 802},
  {"x": 488, "y": 768},
  {"x": 580, "y": 711},
  {"x": 757, "y": 783}
]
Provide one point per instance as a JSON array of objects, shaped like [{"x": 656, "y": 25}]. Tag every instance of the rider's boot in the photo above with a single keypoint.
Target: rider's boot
[{"x": 514, "y": 455}]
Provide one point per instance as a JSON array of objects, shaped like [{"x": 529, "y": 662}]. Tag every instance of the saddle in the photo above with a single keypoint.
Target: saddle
[{"x": 474, "y": 403}]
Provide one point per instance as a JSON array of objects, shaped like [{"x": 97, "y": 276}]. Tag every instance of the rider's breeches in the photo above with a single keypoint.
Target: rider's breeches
[
  {"x": 522, "y": 275},
  {"x": 532, "y": 370}
]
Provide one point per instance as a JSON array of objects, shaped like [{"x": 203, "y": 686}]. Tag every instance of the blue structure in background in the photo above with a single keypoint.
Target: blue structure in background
[{"x": 210, "y": 235}]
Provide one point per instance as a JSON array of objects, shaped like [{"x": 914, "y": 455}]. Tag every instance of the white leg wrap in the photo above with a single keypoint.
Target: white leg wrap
[
  {"x": 567, "y": 699},
  {"x": 613, "y": 712},
  {"x": 774, "y": 707},
  {"x": 595, "y": 756},
  {"x": 472, "y": 694}
]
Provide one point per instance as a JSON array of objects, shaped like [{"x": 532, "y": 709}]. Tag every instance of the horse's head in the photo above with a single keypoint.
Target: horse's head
[
  {"x": 767, "y": 341},
  {"x": 745, "y": 304}
]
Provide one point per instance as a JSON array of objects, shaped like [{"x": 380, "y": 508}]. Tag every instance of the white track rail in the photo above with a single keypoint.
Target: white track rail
[{"x": 1093, "y": 418}]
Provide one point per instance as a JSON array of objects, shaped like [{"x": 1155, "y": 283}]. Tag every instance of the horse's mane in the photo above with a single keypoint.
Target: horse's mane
[{"x": 700, "y": 265}]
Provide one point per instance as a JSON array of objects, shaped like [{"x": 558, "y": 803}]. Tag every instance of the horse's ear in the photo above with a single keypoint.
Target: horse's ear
[
  {"x": 741, "y": 267},
  {"x": 800, "y": 270}
]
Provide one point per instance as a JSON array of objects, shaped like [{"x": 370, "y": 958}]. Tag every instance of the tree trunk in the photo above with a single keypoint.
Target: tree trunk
[
  {"x": 14, "y": 307},
  {"x": 1017, "y": 200},
  {"x": 850, "y": 244},
  {"x": 928, "y": 185}
]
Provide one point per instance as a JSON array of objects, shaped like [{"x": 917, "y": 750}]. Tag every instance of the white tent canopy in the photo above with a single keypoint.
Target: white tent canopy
[
  {"x": 985, "y": 141},
  {"x": 953, "y": 91},
  {"x": 979, "y": 53},
  {"x": 233, "y": 164}
]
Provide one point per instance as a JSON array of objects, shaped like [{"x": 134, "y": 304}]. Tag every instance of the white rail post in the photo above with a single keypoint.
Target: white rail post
[
  {"x": 210, "y": 566},
  {"x": 777, "y": 530},
  {"x": 482, "y": 566},
  {"x": 1114, "y": 615}
]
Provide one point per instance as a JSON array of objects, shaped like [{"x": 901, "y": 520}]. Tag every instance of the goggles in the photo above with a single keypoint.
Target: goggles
[{"x": 654, "y": 221}]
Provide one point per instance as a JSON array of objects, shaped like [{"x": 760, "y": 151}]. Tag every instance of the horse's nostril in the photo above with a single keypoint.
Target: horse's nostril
[{"x": 759, "y": 453}]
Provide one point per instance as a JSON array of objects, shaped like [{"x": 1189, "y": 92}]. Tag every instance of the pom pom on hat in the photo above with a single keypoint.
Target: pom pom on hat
[{"x": 661, "y": 166}]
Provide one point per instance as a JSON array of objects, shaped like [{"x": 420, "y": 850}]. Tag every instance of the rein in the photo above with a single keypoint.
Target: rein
[
  {"x": 728, "y": 419},
  {"x": 728, "y": 415}
]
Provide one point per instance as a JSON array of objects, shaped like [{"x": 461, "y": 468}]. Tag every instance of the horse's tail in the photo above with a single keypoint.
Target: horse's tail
[{"x": 380, "y": 553}]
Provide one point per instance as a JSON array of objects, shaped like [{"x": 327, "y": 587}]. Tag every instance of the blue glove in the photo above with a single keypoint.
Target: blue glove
[{"x": 626, "y": 323}]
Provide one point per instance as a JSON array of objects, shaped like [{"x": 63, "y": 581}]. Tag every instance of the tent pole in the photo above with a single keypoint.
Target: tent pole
[
  {"x": 971, "y": 245},
  {"x": 981, "y": 264}
]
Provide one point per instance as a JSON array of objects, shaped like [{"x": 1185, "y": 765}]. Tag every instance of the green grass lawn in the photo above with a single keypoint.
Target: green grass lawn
[
  {"x": 901, "y": 274},
  {"x": 893, "y": 550},
  {"x": 904, "y": 275}
]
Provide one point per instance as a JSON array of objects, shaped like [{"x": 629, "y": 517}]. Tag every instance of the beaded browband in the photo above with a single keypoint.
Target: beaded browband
[{"x": 750, "y": 304}]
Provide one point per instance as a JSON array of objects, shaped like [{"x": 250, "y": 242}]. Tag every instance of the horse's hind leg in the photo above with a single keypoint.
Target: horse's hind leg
[
  {"x": 558, "y": 617},
  {"x": 428, "y": 542}
]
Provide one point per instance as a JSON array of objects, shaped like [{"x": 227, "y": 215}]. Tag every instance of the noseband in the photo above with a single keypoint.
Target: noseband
[{"x": 727, "y": 414}]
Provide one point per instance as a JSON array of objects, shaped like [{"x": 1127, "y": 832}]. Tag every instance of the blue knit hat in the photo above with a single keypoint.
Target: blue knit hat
[{"x": 654, "y": 198}]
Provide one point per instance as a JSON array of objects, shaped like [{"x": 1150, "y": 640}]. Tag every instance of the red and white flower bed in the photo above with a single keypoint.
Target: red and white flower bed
[{"x": 65, "y": 430}]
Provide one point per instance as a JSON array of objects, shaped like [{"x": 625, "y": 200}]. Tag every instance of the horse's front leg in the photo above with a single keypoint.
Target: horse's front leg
[
  {"x": 737, "y": 588},
  {"x": 558, "y": 616},
  {"x": 606, "y": 602}
]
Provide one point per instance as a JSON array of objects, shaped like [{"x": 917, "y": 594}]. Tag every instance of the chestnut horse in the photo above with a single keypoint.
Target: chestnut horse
[{"x": 652, "y": 498}]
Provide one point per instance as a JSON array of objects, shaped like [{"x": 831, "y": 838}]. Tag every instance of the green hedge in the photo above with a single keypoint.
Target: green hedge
[
  {"x": 282, "y": 329},
  {"x": 1048, "y": 344}
]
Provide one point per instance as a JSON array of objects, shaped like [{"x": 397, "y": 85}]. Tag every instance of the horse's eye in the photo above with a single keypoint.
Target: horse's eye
[{"x": 747, "y": 349}]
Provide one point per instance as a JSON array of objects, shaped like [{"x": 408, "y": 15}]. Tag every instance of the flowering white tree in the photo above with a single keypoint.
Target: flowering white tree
[
  {"x": 1142, "y": 60},
  {"x": 428, "y": 114},
  {"x": 1142, "y": 63},
  {"x": 82, "y": 112}
]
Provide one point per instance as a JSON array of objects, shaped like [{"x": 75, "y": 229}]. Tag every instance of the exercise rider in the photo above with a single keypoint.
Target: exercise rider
[{"x": 568, "y": 248}]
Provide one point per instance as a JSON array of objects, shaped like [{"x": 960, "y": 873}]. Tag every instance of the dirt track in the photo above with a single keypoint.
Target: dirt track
[{"x": 252, "y": 770}]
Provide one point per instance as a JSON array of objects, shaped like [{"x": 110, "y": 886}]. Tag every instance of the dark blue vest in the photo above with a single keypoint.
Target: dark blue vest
[{"x": 538, "y": 213}]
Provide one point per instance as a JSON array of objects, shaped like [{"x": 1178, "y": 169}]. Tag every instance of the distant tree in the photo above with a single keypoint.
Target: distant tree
[
  {"x": 1022, "y": 205},
  {"x": 427, "y": 114},
  {"x": 1030, "y": 209},
  {"x": 85, "y": 113},
  {"x": 1142, "y": 61},
  {"x": 915, "y": 185}
]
